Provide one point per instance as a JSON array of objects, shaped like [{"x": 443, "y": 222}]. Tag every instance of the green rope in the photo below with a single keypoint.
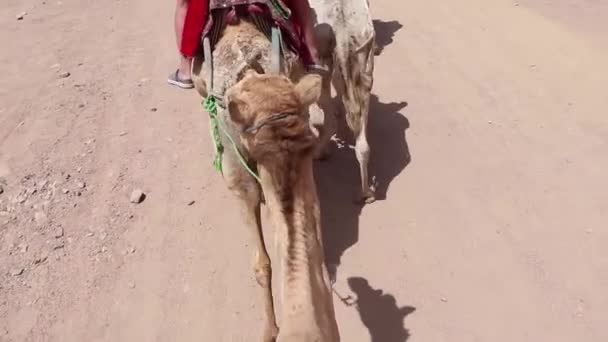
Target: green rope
[
  {"x": 210, "y": 106},
  {"x": 281, "y": 8}
]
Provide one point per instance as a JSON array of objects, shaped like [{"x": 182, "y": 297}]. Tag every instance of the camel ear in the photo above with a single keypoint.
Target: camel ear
[
  {"x": 309, "y": 89},
  {"x": 237, "y": 108},
  {"x": 250, "y": 72}
]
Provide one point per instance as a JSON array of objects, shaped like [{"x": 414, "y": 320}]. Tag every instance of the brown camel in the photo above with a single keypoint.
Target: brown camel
[{"x": 269, "y": 119}]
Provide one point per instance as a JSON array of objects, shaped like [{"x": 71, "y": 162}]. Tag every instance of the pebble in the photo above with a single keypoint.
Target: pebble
[
  {"x": 65, "y": 74},
  {"x": 137, "y": 196},
  {"x": 21, "y": 198},
  {"x": 21, "y": 15},
  {"x": 58, "y": 232},
  {"x": 17, "y": 272},
  {"x": 40, "y": 217},
  {"x": 23, "y": 247},
  {"x": 43, "y": 184}
]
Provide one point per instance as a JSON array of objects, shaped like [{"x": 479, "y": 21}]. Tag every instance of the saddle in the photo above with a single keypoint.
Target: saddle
[{"x": 265, "y": 14}]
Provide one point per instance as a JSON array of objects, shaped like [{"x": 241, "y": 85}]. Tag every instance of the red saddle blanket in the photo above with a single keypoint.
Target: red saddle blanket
[{"x": 197, "y": 18}]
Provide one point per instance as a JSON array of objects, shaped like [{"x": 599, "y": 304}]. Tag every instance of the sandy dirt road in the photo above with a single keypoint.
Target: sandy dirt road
[{"x": 489, "y": 134}]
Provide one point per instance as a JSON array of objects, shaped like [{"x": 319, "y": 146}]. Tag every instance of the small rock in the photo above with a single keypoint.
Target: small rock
[
  {"x": 23, "y": 247},
  {"x": 55, "y": 66},
  {"x": 58, "y": 246},
  {"x": 122, "y": 134},
  {"x": 58, "y": 232},
  {"x": 81, "y": 105},
  {"x": 132, "y": 284},
  {"x": 21, "y": 198},
  {"x": 443, "y": 299},
  {"x": 65, "y": 74},
  {"x": 1, "y": 189},
  {"x": 43, "y": 184},
  {"x": 137, "y": 196},
  {"x": 17, "y": 272},
  {"x": 81, "y": 184},
  {"x": 65, "y": 191},
  {"x": 40, "y": 218},
  {"x": 191, "y": 202},
  {"x": 78, "y": 169},
  {"x": 104, "y": 249},
  {"x": 89, "y": 234},
  {"x": 21, "y": 15},
  {"x": 132, "y": 250},
  {"x": 153, "y": 109}
]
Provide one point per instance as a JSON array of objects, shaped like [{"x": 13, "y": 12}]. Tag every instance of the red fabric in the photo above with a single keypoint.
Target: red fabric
[
  {"x": 194, "y": 23},
  {"x": 196, "y": 17}
]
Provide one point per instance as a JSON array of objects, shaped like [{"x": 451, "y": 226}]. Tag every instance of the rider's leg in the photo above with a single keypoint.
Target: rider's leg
[
  {"x": 302, "y": 12},
  {"x": 180, "y": 17},
  {"x": 181, "y": 77}
]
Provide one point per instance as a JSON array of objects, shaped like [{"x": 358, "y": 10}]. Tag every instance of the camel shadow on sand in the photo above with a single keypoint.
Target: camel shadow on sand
[
  {"x": 379, "y": 312},
  {"x": 338, "y": 179},
  {"x": 385, "y": 33}
]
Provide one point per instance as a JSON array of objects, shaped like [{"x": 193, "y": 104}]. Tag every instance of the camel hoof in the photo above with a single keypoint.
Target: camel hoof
[
  {"x": 262, "y": 275},
  {"x": 367, "y": 197},
  {"x": 270, "y": 335}
]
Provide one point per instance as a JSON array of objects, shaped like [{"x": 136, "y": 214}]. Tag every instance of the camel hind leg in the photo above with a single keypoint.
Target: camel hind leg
[{"x": 354, "y": 83}]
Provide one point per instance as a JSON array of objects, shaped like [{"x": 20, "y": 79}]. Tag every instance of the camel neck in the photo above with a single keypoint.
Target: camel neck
[{"x": 295, "y": 209}]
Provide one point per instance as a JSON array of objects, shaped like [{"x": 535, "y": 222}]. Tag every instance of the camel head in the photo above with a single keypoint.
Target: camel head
[{"x": 271, "y": 113}]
